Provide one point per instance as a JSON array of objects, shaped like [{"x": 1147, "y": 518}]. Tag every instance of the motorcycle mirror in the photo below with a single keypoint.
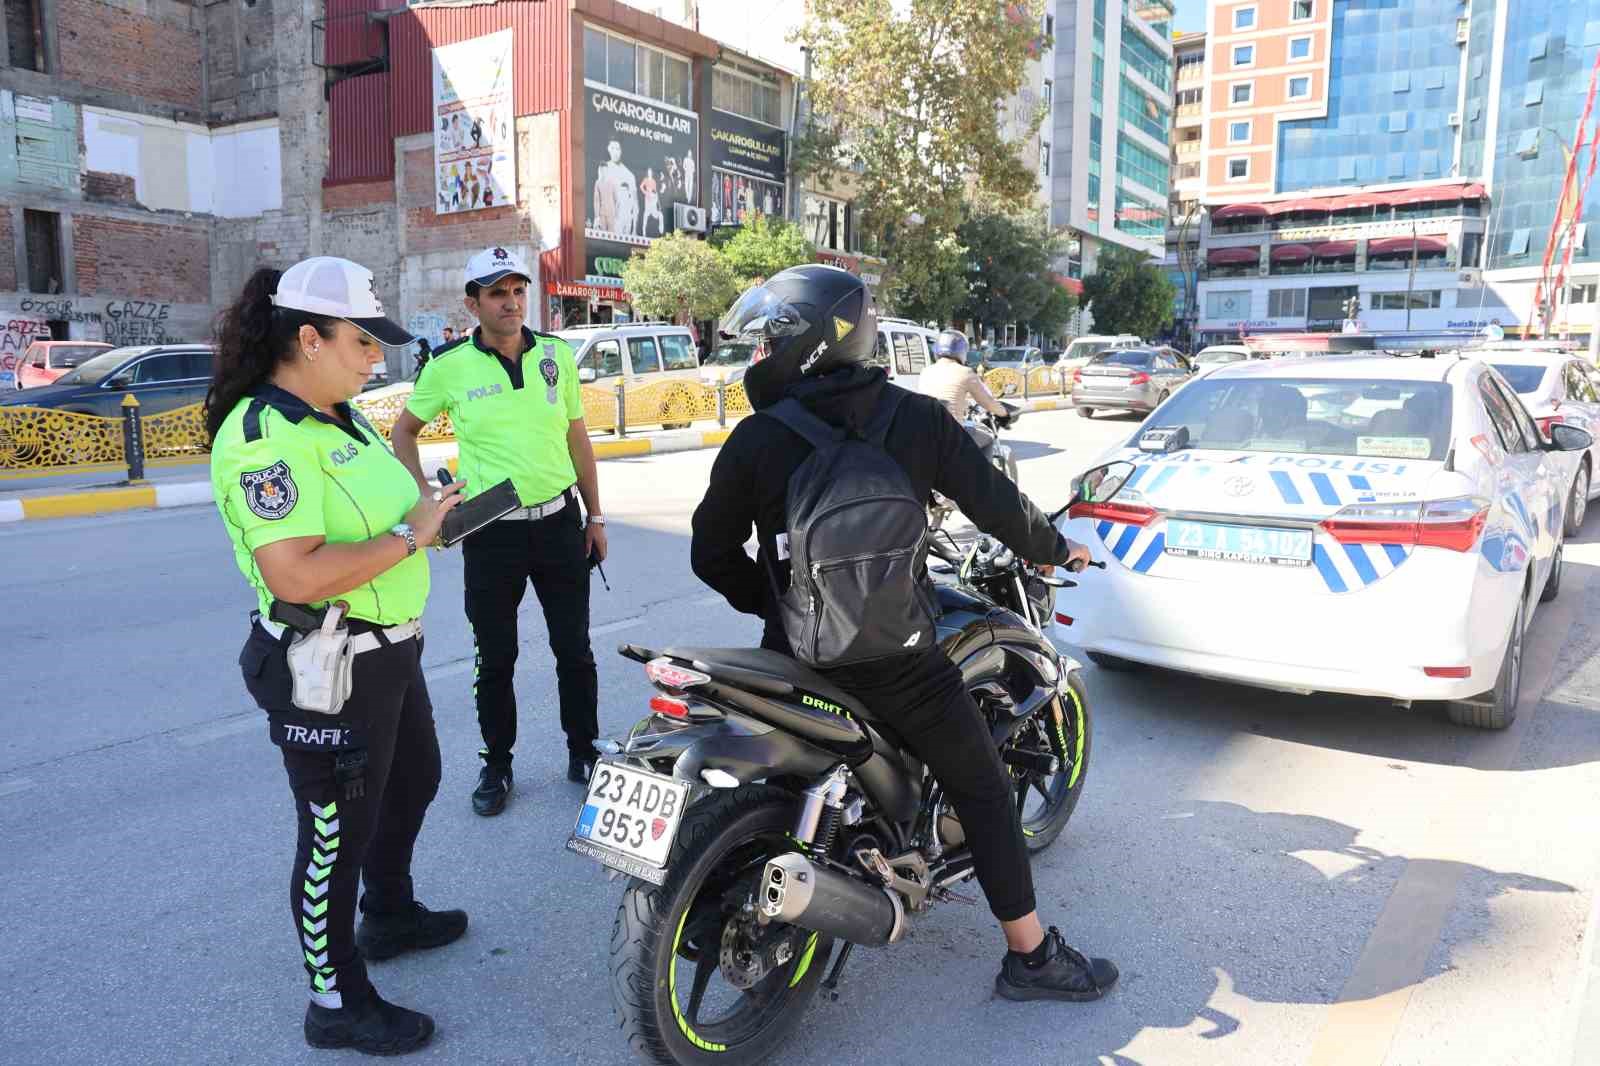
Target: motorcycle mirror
[{"x": 1099, "y": 484}]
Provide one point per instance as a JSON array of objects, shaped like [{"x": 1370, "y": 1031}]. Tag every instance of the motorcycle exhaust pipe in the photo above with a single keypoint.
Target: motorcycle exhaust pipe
[{"x": 797, "y": 891}]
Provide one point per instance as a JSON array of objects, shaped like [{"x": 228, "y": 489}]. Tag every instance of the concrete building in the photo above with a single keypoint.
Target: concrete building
[
  {"x": 1188, "y": 185},
  {"x": 1408, "y": 155},
  {"x": 128, "y": 134}
]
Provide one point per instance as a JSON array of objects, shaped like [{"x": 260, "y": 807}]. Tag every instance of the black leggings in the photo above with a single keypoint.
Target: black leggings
[{"x": 924, "y": 700}]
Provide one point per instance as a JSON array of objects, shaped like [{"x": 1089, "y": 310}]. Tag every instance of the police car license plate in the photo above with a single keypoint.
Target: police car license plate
[
  {"x": 629, "y": 819},
  {"x": 1244, "y": 544}
]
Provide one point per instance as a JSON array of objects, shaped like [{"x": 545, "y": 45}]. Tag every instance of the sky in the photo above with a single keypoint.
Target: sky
[{"x": 1191, "y": 15}]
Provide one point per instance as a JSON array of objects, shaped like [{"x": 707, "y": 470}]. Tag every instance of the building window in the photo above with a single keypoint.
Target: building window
[
  {"x": 1301, "y": 10},
  {"x": 1519, "y": 242},
  {"x": 751, "y": 97},
  {"x": 1239, "y": 132},
  {"x": 827, "y": 223},
  {"x": 1471, "y": 246},
  {"x": 629, "y": 67},
  {"x": 1044, "y": 158},
  {"x": 1229, "y": 303},
  {"x": 1049, "y": 94},
  {"x": 1528, "y": 143},
  {"x": 1399, "y": 121},
  {"x": 1286, "y": 303},
  {"x": 1191, "y": 64},
  {"x": 1142, "y": 165},
  {"x": 1244, "y": 55},
  {"x": 1143, "y": 112},
  {"x": 1049, "y": 25},
  {"x": 1244, "y": 18},
  {"x": 1396, "y": 301},
  {"x": 1300, "y": 87},
  {"x": 1239, "y": 168},
  {"x": 1299, "y": 48},
  {"x": 24, "y": 35},
  {"x": 1538, "y": 46},
  {"x": 1533, "y": 94},
  {"x": 42, "y": 244},
  {"x": 1583, "y": 293},
  {"x": 1242, "y": 92}
]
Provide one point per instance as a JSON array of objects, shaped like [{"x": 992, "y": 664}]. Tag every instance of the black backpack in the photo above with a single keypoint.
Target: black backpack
[{"x": 857, "y": 545}]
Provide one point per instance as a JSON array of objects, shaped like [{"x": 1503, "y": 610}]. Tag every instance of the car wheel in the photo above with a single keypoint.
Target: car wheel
[
  {"x": 1086, "y": 412},
  {"x": 1161, "y": 399},
  {"x": 1497, "y": 708},
  {"x": 1552, "y": 584},
  {"x": 1578, "y": 502},
  {"x": 1113, "y": 663}
]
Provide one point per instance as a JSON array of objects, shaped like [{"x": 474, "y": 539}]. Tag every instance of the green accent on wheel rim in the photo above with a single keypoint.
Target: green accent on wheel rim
[
  {"x": 672, "y": 991},
  {"x": 805, "y": 961},
  {"x": 1077, "y": 754},
  {"x": 1029, "y": 833}
]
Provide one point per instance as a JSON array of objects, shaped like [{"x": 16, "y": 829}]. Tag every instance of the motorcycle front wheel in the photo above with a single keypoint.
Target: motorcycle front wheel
[{"x": 694, "y": 978}]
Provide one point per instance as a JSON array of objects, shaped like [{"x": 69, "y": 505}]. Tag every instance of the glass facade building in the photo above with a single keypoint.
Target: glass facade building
[
  {"x": 1549, "y": 53},
  {"x": 1393, "y": 82}
]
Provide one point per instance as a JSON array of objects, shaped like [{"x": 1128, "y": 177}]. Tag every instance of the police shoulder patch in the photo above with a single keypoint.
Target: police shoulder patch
[{"x": 269, "y": 492}]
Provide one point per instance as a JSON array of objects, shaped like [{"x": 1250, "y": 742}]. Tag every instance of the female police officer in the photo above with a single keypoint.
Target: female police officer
[{"x": 320, "y": 512}]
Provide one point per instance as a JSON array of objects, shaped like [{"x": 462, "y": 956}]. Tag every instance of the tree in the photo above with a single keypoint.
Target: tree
[
  {"x": 929, "y": 283},
  {"x": 909, "y": 96},
  {"x": 1050, "y": 321},
  {"x": 680, "y": 278},
  {"x": 1128, "y": 293},
  {"x": 1008, "y": 264},
  {"x": 763, "y": 246}
]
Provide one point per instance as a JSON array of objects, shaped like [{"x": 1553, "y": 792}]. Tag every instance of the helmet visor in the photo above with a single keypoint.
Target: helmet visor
[{"x": 761, "y": 313}]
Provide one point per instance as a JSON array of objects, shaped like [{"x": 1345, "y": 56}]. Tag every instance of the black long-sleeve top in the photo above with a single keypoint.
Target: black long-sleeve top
[{"x": 749, "y": 484}]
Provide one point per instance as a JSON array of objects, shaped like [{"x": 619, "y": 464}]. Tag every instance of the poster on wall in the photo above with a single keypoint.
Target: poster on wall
[
  {"x": 474, "y": 125},
  {"x": 749, "y": 163},
  {"x": 735, "y": 197},
  {"x": 640, "y": 158}
]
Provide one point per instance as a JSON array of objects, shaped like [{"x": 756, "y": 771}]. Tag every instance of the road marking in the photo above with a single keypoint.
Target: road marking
[
  {"x": 1360, "y": 1026},
  {"x": 16, "y": 784},
  {"x": 184, "y": 494},
  {"x": 614, "y": 627},
  {"x": 226, "y": 728},
  {"x": 439, "y": 673},
  {"x": 11, "y": 511}
]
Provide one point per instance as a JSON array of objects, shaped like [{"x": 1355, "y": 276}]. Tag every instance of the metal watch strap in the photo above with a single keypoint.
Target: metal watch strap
[
  {"x": 408, "y": 535},
  {"x": 595, "y": 520}
]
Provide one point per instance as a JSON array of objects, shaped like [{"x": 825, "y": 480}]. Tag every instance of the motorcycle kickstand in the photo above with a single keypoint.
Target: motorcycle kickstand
[{"x": 831, "y": 982}]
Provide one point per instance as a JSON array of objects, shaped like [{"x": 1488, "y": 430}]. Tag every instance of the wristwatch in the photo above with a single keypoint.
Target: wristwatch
[
  {"x": 405, "y": 532},
  {"x": 596, "y": 520}
]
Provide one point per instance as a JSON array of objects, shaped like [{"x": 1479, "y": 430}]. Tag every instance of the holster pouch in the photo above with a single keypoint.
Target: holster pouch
[{"x": 321, "y": 665}]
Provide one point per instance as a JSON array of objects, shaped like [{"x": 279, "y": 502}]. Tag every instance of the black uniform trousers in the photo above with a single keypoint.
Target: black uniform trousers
[
  {"x": 924, "y": 701},
  {"x": 501, "y": 559},
  {"x": 362, "y": 782}
]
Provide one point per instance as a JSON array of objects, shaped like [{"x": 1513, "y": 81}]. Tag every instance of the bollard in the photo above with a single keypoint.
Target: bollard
[
  {"x": 1026, "y": 384},
  {"x": 722, "y": 404},
  {"x": 622, "y": 412},
  {"x": 133, "y": 437}
]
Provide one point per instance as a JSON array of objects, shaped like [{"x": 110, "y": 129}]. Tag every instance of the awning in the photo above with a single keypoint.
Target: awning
[
  {"x": 1396, "y": 245},
  {"x": 1304, "y": 204},
  {"x": 1291, "y": 253},
  {"x": 1231, "y": 256},
  {"x": 1072, "y": 285},
  {"x": 1334, "y": 249},
  {"x": 1227, "y": 211},
  {"x": 1432, "y": 194},
  {"x": 1358, "y": 201}
]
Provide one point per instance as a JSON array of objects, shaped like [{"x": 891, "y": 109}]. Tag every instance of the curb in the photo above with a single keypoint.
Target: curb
[{"x": 191, "y": 493}]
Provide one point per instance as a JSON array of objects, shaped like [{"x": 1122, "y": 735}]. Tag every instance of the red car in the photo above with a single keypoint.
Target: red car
[{"x": 44, "y": 361}]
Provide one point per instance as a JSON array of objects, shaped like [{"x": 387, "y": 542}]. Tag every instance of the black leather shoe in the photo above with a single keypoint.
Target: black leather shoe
[
  {"x": 494, "y": 788},
  {"x": 1064, "y": 974},
  {"x": 373, "y": 1027},
  {"x": 579, "y": 770},
  {"x": 383, "y": 936}
]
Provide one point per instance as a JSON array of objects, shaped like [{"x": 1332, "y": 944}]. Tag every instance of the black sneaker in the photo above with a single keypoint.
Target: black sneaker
[
  {"x": 580, "y": 769},
  {"x": 383, "y": 936},
  {"x": 1064, "y": 974},
  {"x": 373, "y": 1027},
  {"x": 494, "y": 788}
]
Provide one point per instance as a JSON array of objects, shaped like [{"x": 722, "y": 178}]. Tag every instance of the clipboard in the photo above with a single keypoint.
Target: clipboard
[{"x": 488, "y": 506}]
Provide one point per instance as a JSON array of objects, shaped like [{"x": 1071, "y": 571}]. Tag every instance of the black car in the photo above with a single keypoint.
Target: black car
[{"x": 163, "y": 377}]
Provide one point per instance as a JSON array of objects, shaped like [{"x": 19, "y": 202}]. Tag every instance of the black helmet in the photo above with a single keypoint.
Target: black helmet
[
  {"x": 805, "y": 322},
  {"x": 952, "y": 344}
]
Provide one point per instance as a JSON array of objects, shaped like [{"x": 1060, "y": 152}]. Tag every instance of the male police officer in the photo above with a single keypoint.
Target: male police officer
[{"x": 513, "y": 397}]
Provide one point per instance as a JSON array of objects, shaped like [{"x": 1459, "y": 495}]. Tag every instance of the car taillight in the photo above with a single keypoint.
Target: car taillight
[
  {"x": 1139, "y": 379},
  {"x": 666, "y": 673},
  {"x": 1077, "y": 375},
  {"x": 1454, "y": 524},
  {"x": 1064, "y": 619},
  {"x": 668, "y": 707},
  {"x": 1129, "y": 514}
]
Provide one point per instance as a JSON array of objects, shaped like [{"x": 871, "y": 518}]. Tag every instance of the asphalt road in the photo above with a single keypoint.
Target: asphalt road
[{"x": 1283, "y": 880}]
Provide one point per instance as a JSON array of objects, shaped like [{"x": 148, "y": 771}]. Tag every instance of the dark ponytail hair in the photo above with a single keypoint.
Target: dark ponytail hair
[{"x": 253, "y": 337}]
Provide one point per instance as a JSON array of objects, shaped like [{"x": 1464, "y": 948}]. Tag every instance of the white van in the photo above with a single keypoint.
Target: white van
[
  {"x": 1082, "y": 349},
  {"x": 905, "y": 349},
  {"x": 638, "y": 352}
]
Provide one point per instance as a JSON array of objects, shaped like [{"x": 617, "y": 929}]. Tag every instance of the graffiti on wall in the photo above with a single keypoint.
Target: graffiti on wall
[
  {"x": 429, "y": 325},
  {"x": 59, "y": 310},
  {"x": 129, "y": 322},
  {"x": 14, "y": 339}
]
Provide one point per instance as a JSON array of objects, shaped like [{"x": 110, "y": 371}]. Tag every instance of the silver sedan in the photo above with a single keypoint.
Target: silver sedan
[{"x": 1127, "y": 379}]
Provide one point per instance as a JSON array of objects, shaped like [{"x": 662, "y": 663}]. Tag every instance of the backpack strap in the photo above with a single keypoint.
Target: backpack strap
[
  {"x": 883, "y": 415},
  {"x": 794, "y": 414}
]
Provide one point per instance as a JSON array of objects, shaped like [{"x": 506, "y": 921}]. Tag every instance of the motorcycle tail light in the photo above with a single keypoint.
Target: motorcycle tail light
[
  {"x": 668, "y": 707},
  {"x": 668, "y": 674}
]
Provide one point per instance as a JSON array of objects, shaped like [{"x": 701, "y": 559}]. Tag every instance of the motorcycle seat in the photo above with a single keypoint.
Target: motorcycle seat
[{"x": 768, "y": 672}]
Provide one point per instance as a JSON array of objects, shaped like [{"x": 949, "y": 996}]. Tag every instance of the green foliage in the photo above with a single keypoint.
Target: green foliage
[
  {"x": 764, "y": 246},
  {"x": 1051, "y": 320},
  {"x": 681, "y": 278},
  {"x": 1128, "y": 293},
  {"x": 1008, "y": 264},
  {"x": 929, "y": 283}
]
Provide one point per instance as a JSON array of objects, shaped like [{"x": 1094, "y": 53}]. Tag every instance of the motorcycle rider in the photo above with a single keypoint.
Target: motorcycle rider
[
  {"x": 955, "y": 384},
  {"x": 814, "y": 328}
]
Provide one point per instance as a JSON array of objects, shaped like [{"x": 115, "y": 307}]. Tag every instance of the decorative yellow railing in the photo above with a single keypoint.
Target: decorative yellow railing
[{"x": 1003, "y": 381}]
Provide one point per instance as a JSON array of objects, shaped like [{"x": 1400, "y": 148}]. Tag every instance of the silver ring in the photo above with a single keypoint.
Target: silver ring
[{"x": 438, "y": 497}]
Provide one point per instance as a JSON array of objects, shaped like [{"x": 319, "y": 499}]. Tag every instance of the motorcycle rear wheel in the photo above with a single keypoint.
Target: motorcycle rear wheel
[
  {"x": 660, "y": 966},
  {"x": 1045, "y": 802}
]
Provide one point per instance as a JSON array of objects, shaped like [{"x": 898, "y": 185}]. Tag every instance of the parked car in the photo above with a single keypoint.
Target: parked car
[
  {"x": 1020, "y": 358},
  {"x": 637, "y": 352},
  {"x": 45, "y": 361},
  {"x": 1082, "y": 348},
  {"x": 905, "y": 349},
  {"x": 1127, "y": 379},
  {"x": 727, "y": 362},
  {"x": 163, "y": 377},
  {"x": 1557, "y": 388}
]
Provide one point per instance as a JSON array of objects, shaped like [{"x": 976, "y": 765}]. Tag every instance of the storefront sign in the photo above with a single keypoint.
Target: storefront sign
[
  {"x": 473, "y": 125},
  {"x": 749, "y": 163},
  {"x": 640, "y": 161},
  {"x": 586, "y": 291},
  {"x": 1432, "y": 227}
]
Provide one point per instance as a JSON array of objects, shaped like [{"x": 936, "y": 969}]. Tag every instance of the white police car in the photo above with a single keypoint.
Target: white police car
[{"x": 1367, "y": 525}]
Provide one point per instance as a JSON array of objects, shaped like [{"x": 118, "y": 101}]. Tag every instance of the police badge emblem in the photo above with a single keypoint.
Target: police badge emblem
[
  {"x": 548, "y": 371},
  {"x": 269, "y": 492}
]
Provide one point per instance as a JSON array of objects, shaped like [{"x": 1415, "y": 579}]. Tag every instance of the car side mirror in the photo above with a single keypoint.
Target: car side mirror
[
  {"x": 587, "y": 376},
  {"x": 1099, "y": 484},
  {"x": 1565, "y": 438},
  {"x": 120, "y": 381}
]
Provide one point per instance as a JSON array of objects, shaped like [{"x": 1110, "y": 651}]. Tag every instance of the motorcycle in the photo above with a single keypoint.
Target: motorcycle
[
  {"x": 985, "y": 429},
  {"x": 764, "y": 817}
]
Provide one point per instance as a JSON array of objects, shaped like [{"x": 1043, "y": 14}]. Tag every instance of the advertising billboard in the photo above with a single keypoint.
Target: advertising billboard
[{"x": 474, "y": 125}]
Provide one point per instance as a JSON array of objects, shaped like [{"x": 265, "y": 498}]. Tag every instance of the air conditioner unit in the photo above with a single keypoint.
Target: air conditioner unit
[
  {"x": 1469, "y": 276},
  {"x": 689, "y": 217},
  {"x": 1455, "y": 119}
]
